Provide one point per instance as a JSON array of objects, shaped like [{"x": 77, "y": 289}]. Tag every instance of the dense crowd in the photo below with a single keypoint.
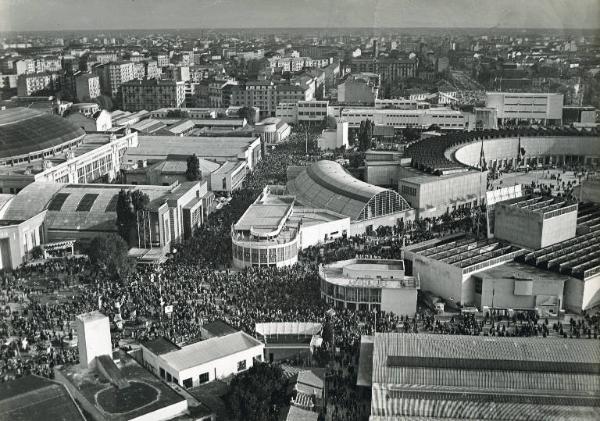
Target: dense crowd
[{"x": 198, "y": 282}]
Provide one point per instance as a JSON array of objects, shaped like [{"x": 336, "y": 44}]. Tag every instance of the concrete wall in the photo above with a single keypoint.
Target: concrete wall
[
  {"x": 503, "y": 289},
  {"x": 402, "y": 301},
  {"x": 591, "y": 292},
  {"x": 559, "y": 228},
  {"x": 360, "y": 227},
  {"x": 573, "y": 294},
  {"x": 315, "y": 234},
  {"x": 93, "y": 339},
  {"x": 220, "y": 368},
  {"x": 165, "y": 413},
  {"x": 284, "y": 352},
  {"x": 434, "y": 198},
  {"x": 19, "y": 239},
  {"x": 518, "y": 226},
  {"x": 382, "y": 173},
  {"x": 588, "y": 191},
  {"x": 438, "y": 278},
  {"x": 530, "y": 229}
]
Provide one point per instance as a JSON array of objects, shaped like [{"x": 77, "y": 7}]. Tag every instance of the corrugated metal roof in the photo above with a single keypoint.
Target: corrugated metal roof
[
  {"x": 327, "y": 185},
  {"x": 512, "y": 353}
]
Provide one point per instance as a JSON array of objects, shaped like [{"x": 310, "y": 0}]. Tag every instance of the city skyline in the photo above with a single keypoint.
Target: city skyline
[{"x": 33, "y": 15}]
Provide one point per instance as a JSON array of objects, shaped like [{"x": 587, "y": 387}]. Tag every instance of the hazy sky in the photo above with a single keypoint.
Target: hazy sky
[{"x": 21, "y": 15}]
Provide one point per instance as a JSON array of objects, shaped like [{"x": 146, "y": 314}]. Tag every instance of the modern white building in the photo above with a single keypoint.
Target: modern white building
[
  {"x": 312, "y": 111},
  {"x": 272, "y": 130},
  {"x": 444, "y": 118},
  {"x": 274, "y": 229},
  {"x": 93, "y": 337},
  {"x": 334, "y": 138},
  {"x": 368, "y": 285},
  {"x": 204, "y": 361},
  {"x": 546, "y": 108}
]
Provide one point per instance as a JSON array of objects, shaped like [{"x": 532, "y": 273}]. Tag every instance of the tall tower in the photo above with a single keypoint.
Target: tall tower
[{"x": 93, "y": 336}]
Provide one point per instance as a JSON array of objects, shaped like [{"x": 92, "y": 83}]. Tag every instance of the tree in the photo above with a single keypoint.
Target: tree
[
  {"x": 258, "y": 394},
  {"x": 410, "y": 134},
  {"x": 37, "y": 252},
  {"x": 248, "y": 113},
  {"x": 125, "y": 215},
  {"x": 110, "y": 253},
  {"x": 365, "y": 135},
  {"x": 105, "y": 102},
  {"x": 129, "y": 206},
  {"x": 192, "y": 172},
  {"x": 329, "y": 122}
]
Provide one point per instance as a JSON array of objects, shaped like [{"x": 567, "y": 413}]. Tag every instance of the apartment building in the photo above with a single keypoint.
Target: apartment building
[
  {"x": 113, "y": 75},
  {"x": 152, "y": 94},
  {"x": 30, "y": 84},
  {"x": 87, "y": 86},
  {"x": 389, "y": 69}
]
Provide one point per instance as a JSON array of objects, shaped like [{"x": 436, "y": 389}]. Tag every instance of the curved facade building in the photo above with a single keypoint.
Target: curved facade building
[
  {"x": 460, "y": 151},
  {"x": 446, "y": 171},
  {"x": 327, "y": 185},
  {"x": 263, "y": 236},
  {"x": 369, "y": 285},
  {"x": 27, "y": 135},
  {"x": 544, "y": 150},
  {"x": 273, "y": 230}
]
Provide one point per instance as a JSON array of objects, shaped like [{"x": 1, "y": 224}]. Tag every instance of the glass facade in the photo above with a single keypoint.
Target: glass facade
[
  {"x": 350, "y": 296},
  {"x": 269, "y": 255}
]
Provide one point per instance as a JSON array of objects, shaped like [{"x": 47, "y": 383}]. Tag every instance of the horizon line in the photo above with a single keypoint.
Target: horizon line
[{"x": 287, "y": 28}]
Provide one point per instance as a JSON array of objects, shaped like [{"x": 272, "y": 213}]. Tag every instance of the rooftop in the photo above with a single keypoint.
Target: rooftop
[
  {"x": 515, "y": 270},
  {"x": 288, "y": 328},
  {"x": 327, "y": 185},
  {"x": 159, "y": 147},
  {"x": 24, "y": 131},
  {"x": 218, "y": 328},
  {"x": 92, "y": 316},
  {"x": 210, "y": 350},
  {"x": 160, "y": 346},
  {"x": 468, "y": 253},
  {"x": 543, "y": 369},
  {"x": 540, "y": 204},
  {"x": 33, "y": 397},
  {"x": 368, "y": 273},
  {"x": 146, "y": 393}
]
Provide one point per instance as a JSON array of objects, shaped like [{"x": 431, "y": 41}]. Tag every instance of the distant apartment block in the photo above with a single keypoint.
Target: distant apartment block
[
  {"x": 87, "y": 86},
  {"x": 152, "y": 94},
  {"x": 30, "y": 84},
  {"x": 113, "y": 75}
]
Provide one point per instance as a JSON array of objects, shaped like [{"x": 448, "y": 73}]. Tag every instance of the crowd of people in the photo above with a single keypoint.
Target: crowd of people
[{"x": 198, "y": 282}]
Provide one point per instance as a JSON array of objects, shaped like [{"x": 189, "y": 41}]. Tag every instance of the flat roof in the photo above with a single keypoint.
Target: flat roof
[
  {"x": 145, "y": 395},
  {"x": 422, "y": 177},
  {"x": 210, "y": 350},
  {"x": 91, "y": 316},
  {"x": 160, "y": 346},
  {"x": 33, "y": 397},
  {"x": 519, "y": 271},
  {"x": 263, "y": 216},
  {"x": 159, "y": 147},
  {"x": 218, "y": 328}
]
